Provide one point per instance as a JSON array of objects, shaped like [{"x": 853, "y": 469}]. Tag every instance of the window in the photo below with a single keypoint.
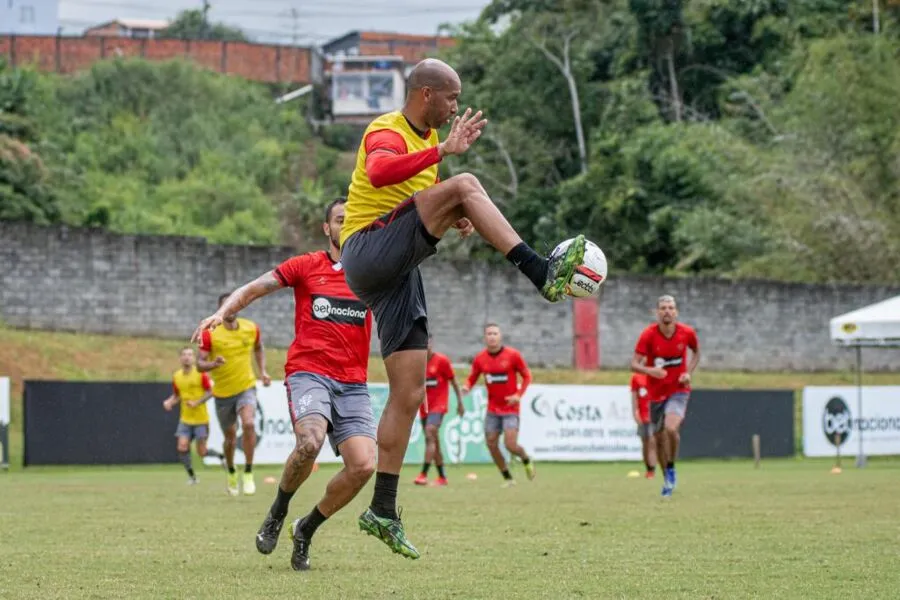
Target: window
[{"x": 26, "y": 14}]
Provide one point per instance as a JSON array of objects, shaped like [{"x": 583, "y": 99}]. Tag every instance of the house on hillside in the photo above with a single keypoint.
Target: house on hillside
[
  {"x": 128, "y": 28},
  {"x": 365, "y": 71},
  {"x": 29, "y": 17}
]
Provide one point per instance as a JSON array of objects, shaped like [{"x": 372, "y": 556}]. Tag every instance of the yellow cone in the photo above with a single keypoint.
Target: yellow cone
[{"x": 633, "y": 474}]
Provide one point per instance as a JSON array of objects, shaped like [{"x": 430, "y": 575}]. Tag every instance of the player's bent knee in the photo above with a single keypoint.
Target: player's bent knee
[
  {"x": 362, "y": 471},
  {"x": 466, "y": 182},
  {"x": 308, "y": 447}
]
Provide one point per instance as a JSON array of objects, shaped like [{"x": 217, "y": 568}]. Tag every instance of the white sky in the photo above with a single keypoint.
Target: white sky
[{"x": 313, "y": 21}]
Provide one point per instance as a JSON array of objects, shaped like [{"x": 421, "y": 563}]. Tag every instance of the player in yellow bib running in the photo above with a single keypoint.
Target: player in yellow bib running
[
  {"x": 229, "y": 352},
  {"x": 397, "y": 212},
  {"x": 191, "y": 389}
]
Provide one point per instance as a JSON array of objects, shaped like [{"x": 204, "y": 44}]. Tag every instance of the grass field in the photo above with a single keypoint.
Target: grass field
[{"x": 788, "y": 530}]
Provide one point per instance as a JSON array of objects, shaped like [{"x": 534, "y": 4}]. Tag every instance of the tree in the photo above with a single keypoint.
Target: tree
[{"x": 194, "y": 25}]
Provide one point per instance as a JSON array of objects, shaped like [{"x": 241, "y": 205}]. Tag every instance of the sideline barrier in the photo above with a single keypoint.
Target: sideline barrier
[{"x": 124, "y": 423}]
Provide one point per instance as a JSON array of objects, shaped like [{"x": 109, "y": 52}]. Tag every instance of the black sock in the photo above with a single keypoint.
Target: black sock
[
  {"x": 248, "y": 468},
  {"x": 670, "y": 465},
  {"x": 185, "y": 458},
  {"x": 526, "y": 461},
  {"x": 506, "y": 474},
  {"x": 384, "y": 501},
  {"x": 282, "y": 501},
  {"x": 533, "y": 265},
  {"x": 311, "y": 522},
  {"x": 650, "y": 467},
  {"x": 440, "y": 469},
  {"x": 231, "y": 470},
  {"x": 425, "y": 468}
]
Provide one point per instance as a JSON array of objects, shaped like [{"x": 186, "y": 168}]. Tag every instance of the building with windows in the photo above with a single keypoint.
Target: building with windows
[
  {"x": 128, "y": 28},
  {"x": 29, "y": 17},
  {"x": 366, "y": 71}
]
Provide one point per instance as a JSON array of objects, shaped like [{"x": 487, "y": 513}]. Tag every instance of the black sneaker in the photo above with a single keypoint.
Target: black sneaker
[
  {"x": 300, "y": 555},
  {"x": 267, "y": 536}
]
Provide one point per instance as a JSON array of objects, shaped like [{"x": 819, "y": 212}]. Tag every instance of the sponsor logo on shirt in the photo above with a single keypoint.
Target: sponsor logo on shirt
[
  {"x": 663, "y": 362},
  {"x": 340, "y": 311},
  {"x": 492, "y": 378},
  {"x": 431, "y": 382}
]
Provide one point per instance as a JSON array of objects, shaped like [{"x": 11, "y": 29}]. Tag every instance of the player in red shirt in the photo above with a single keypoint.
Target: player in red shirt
[
  {"x": 325, "y": 376},
  {"x": 662, "y": 354},
  {"x": 439, "y": 375},
  {"x": 640, "y": 407},
  {"x": 502, "y": 366}
]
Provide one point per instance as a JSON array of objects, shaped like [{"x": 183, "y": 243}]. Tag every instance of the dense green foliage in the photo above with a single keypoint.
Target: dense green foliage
[
  {"x": 755, "y": 138},
  {"x": 168, "y": 148},
  {"x": 194, "y": 25}
]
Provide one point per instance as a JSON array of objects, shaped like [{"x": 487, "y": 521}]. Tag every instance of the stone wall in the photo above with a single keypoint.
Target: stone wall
[{"x": 94, "y": 281}]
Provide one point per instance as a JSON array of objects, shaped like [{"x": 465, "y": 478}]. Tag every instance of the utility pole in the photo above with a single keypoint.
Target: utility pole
[
  {"x": 876, "y": 22},
  {"x": 204, "y": 26},
  {"x": 295, "y": 25}
]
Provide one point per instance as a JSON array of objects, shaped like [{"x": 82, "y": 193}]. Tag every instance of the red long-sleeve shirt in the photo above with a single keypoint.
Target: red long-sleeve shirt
[
  {"x": 501, "y": 371},
  {"x": 387, "y": 161}
]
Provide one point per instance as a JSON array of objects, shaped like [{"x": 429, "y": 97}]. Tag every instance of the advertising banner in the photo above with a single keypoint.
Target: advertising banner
[
  {"x": 579, "y": 423},
  {"x": 831, "y": 417},
  {"x": 462, "y": 438}
]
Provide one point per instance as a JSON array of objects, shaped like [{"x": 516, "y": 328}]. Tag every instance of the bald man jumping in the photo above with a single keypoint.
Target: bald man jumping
[{"x": 397, "y": 212}]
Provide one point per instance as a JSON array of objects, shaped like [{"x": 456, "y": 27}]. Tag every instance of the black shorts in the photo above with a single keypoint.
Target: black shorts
[{"x": 381, "y": 265}]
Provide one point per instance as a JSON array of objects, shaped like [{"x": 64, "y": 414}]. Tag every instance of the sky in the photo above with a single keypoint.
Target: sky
[{"x": 311, "y": 22}]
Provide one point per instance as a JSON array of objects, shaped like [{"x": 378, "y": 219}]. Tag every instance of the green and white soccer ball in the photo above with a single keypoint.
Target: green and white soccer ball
[{"x": 590, "y": 274}]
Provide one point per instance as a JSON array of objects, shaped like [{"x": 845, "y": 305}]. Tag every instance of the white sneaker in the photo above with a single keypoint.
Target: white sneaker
[
  {"x": 508, "y": 483},
  {"x": 192, "y": 481},
  {"x": 248, "y": 484}
]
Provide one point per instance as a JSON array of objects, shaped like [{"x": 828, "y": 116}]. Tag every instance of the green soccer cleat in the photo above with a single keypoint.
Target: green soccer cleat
[
  {"x": 562, "y": 269},
  {"x": 389, "y": 531},
  {"x": 530, "y": 471}
]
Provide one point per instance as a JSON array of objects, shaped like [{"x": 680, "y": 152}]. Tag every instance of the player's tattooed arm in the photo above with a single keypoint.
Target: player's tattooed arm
[
  {"x": 238, "y": 300},
  {"x": 242, "y": 297}
]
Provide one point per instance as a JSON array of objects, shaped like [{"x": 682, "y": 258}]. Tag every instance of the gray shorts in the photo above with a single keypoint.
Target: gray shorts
[
  {"x": 497, "y": 423},
  {"x": 433, "y": 419},
  {"x": 646, "y": 430},
  {"x": 227, "y": 408},
  {"x": 381, "y": 265},
  {"x": 346, "y": 406},
  {"x": 676, "y": 404},
  {"x": 192, "y": 432}
]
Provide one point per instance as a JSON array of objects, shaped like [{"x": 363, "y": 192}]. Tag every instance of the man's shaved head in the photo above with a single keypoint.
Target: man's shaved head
[
  {"x": 431, "y": 92},
  {"x": 432, "y": 73}
]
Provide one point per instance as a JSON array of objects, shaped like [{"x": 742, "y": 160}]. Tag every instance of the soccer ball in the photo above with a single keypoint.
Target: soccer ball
[{"x": 590, "y": 274}]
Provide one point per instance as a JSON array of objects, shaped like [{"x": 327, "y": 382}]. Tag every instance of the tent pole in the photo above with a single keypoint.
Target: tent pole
[{"x": 861, "y": 457}]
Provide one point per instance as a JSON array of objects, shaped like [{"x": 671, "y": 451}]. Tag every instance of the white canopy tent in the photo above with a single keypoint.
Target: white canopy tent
[{"x": 873, "y": 326}]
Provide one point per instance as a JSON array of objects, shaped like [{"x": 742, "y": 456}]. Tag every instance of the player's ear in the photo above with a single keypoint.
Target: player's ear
[{"x": 326, "y": 229}]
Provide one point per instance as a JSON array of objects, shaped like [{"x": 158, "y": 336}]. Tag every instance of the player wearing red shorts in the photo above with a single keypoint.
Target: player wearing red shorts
[
  {"x": 439, "y": 375},
  {"x": 640, "y": 407},
  {"x": 325, "y": 376},
  {"x": 502, "y": 366},
  {"x": 662, "y": 354}
]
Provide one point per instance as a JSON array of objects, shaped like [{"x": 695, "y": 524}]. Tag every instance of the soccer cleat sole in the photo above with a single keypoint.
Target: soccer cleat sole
[{"x": 559, "y": 288}]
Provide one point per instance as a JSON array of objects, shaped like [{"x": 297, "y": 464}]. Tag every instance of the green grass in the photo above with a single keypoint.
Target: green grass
[{"x": 788, "y": 530}]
